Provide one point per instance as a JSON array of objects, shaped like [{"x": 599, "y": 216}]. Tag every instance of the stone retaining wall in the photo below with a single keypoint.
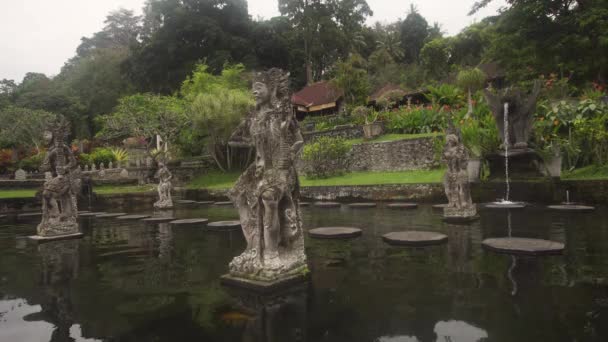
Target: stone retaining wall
[
  {"x": 399, "y": 155},
  {"x": 346, "y": 132}
]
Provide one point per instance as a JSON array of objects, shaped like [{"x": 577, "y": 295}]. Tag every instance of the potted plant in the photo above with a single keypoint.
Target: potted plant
[
  {"x": 552, "y": 158},
  {"x": 372, "y": 128}
]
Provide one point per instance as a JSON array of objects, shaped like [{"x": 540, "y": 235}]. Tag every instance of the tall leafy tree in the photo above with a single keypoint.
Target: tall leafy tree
[
  {"x": 23, "y": 127},
  {"x": 471, "y": 80},
  {"x": 414, "y": 32}
]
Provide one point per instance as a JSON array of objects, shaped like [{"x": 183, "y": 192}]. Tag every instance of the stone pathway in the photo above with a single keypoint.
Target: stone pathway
[
  {"x": 189, "y": 221},
  {"x": 414, "y": 238},
  {"x": 224, "y": 225},
  {"x": 523, "y": 246},
  {"x": 335, "y": 232}
]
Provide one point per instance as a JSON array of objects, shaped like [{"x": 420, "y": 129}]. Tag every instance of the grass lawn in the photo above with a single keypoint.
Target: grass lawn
[
  {"x": 392, "y": 137},
  {"x": 123, "y": 189},
  {"x": 226, "y": 180},
  {"x": 21, "y": 193},
  {"x": 591, "y": 172}
]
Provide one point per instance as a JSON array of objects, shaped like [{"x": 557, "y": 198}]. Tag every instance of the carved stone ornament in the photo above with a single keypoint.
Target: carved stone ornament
[
  {"x": 456, "y": 181},
  {"x": 59, "y": 196},
  {"x": 267, "y": 193},
  {"x": 164, "y": 187}
]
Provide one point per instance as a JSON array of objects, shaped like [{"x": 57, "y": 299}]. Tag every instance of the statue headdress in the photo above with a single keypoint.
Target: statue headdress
[{"x": 60, "y": 128}]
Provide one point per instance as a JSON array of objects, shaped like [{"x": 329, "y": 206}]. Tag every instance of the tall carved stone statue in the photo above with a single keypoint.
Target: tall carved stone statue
[
  {"x": 164, "y": 187},
  {"x": 520, "y": 116},
  {"x": 456, "y": 181},
  {"x": 267, "y": 193},
  {"x": 59, "y": 196}
]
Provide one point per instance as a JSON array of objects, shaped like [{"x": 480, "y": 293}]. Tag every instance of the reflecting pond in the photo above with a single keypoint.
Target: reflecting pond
[{"x": 128, "y": 281}]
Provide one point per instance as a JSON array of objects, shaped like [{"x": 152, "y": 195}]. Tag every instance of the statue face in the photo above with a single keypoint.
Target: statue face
[
  {"x": 260, "y": 93},
  {"x": 48, "y": 137}
]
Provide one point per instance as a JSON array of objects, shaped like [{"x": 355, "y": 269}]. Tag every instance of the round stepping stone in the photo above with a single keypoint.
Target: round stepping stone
[
  {"x": 440, "y": 206},
  {"x": 153, "y": 220},
  {"x": 223, "y": 203},
  {"x": 2, "y": 217},
  {"x": 92, "y": 213},
  {"x": 327, "y": 204},
  {"x": 500, "y": 205},
  {"x": 224, "y": 225},
  {"x": 110, "y": 215},
  {"x": 362, "y": 205},
  {"x": 335, "y": 232},
  {"x": 205, "y": 202},
  {"x": 132, "y": 217},
  {"x": 83, "y": 212},
  {"x": 189, "y": 221},
  {"x": 414, "y": 238},
  {"x": 185, "y": 202},
  {"x": 304, "y": 204},
  {"x": 571, "y": 207},
  {"x": 402, "y": 206},
  {"x": 523, "y": 246},
  {"x": 29, "y": 215}
]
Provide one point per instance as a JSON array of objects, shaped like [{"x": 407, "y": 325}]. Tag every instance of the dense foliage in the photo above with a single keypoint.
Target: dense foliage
[{"x": 326, "y": 157}]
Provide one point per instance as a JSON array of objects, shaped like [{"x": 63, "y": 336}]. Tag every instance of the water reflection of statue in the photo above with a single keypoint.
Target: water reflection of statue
[
  {"x": 521, "y": 111},
  {"x": 59, "y": 262},
  {"x": 267, "y": 193},
  {"x": 59, "y": 196},
  {"x": 164, "y": 187},
  {"x": 275, "y": 317},
  {"x": 456, "y": 181}
]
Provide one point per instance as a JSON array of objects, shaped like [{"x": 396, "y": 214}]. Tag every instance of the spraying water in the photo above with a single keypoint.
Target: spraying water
[
  {"x": 506, "y": 143},
  {"x": 567, "y": 197}
]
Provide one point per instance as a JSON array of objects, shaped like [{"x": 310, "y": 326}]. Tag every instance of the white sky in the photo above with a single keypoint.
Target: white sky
[{"x": 40, "y": 35}]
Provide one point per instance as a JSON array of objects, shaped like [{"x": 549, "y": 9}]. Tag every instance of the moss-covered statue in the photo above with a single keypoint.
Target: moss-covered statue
[
  {"x": 267, "y": 193},
  {"x": 59, "y": 196},
  {"x": 164, "y": 187},
  {"x": 456, "y": 182}
]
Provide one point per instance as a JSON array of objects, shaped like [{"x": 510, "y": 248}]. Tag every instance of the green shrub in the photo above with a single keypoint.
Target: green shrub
[
  {"x": 326, "y": 157},
  {"x": 416, "y": 120},
  {"x": 32, "y": 163},
  {"x": 102, "y": 155}
]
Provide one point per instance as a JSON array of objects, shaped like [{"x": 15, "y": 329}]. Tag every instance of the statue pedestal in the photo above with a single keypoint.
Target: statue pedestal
[
  {"x": 261, "y": 286},
  {"x": 462, "y": 215},
  {"x": 39, "y": 238},
  {"x": 524, "y": 163}
]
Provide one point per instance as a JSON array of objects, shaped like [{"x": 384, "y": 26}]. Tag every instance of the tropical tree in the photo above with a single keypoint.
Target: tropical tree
[
  {"x": 471, "y": 80},
  {"x": 24, "y": 127},
  {"x": 351, "y": 76},
  {"x": 435, "y": 56}
]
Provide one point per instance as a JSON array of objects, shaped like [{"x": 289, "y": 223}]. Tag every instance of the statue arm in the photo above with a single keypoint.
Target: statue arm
[{"x": 531, "y": 102}]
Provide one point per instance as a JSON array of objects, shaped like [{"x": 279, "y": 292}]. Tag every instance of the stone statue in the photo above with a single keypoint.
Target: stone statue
[
  {"x": 20, "y": 175},
  {"x": 164, "y": 187},
  {"x": 456, "y": 181},
  {"x": 267, "y": 193},
  {"x": 520, "y": 117},
  {"x": 59, "y": 196}
]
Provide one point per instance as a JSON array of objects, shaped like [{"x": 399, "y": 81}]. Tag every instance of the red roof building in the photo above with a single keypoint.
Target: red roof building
[{"x": 321, "y": 98}]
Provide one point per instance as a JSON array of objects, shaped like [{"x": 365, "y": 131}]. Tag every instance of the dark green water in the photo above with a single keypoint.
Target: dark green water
[{"x": 126, "y": 281}]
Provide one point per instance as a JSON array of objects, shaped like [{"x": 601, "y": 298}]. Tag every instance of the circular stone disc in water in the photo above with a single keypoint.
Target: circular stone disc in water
[
  {"x": 362, "y": 205},
  {"x": 414, "y": 238},
  {"x": 524, "y": 246},
  {"x": 304, "y": 204},
  {"x": 498, "y": 205},
  {"x": 2, "y": 216},
  {"x": 402, "y": 206},
  {"x": 83, "y": 212},
  {"x": 327, "y": 204},
  {"x": 335, "y": 232},
  {"x": 205, "y": 202},
  {"x": 185, "y": 202},
  {"x": 223, "y": 203},
  {"x": 224, "y": 225},
  {"x": 189, "y": 221},
  {"x": 440, "y": 206},
  {"x": 132, "y": 217},
  {"x": 29, "y": 215},
  {"x": 153, "y": 220},
  {"x": 92, "y": 213},
  {"x": 571, "y": 207},
  {"x": 110, "y": 215}
]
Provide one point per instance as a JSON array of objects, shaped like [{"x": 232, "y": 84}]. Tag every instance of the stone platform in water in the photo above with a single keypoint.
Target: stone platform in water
[
  {"x": 523, "y": 246},
  {"x": 110, "y": 215},
  {"x": 224, "y": 225},
  {"x": 83, "y": 212},
  {"x": 304, "y": 204},
  {"x": 571, "y": 207},
  {"x": 414, "y": 238},
  {"x": 29, "y": 215},
  {"x": 189, "y": 221},
  {"x": 205, "y": 202},
  {"x": 335, "y": 232},
  {"x": 524, "y": 163},
  {"x": 362, "y": 205},
  {"x": 41, "y": 239},
  {"x": 2, "y": 217},
  {"x": 185, "y": 202},
  {"x": 223, "y": 203},
  {"x": 264, "y": 287},
  {"x": 91, "y": 213},
  {"x": 463, "y": 215},
  {"x": 402, "y": 206},
  {"x": 439, "y": 206},
  {"x": 327, "y": 204},
  {"x": 153, "y": 220},
  {"x": 132, "y": 217},
  {"x": 500, "y": 205}
]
